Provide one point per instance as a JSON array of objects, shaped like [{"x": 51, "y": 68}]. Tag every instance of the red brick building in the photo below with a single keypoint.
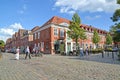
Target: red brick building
[
  {"x": 21, "y": 39},
  {"x": 50, "y": 36},
  {"x": 8, "y": 44}
]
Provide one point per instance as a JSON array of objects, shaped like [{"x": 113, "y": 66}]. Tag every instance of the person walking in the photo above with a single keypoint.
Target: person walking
[
  {"x": 27, "y": 52},
  {"x": 81, "y": 52},
  {"x": 86, "y": 51},
  {"x": 17, "y": 53}
]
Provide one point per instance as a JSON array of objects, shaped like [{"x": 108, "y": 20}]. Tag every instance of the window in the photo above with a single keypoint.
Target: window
[
  {"x": 34, "y": 45},
  {"x": 55, "y": 31},
  {"x": 42, "y": 44},
  {"x": 74, "y": 46},
  {"x": 61, "y": 33},
  {"x": 46, "y": 46},
  {"x": 38, "y": 44},
  {"x": 86, "y": 45},
  {"x": 35, "y": 35},
  {"x": 90, "y": 46},
  {"x": 38, "y": 35},
  {"x": 97, "y": 45},
  {"x": 82, "y": 45}
]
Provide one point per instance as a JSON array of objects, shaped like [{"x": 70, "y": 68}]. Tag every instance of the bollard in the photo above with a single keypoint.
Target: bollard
[
  {"x": 108, "y": 53},
  {"x": 103, "y": 54},
  {"x": 112, "y": 55}
]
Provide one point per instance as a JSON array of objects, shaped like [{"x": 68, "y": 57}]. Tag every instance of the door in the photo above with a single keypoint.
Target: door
[{"x": 68, "y": 47}]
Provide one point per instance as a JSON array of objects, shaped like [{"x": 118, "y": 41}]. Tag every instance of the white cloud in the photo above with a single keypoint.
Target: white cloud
[
  {"x": 8, "y": 31},
  {"x": 86, "y": 5},
  {"x": 4, "y": 38},
  {"x": 16, "y": 26}
]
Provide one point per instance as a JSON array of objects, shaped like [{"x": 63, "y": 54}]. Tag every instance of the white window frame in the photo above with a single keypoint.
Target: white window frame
[
  {"x": 38, "y": 35},
  {"x": 35, "y": 35},
  {"x": 35, "y": 45},
  {"x": 42, "y": 44},
  {"x": 38, "y": 44},
  {"x": 55, "y": 31},
  {"x": 62, "y": 32}
]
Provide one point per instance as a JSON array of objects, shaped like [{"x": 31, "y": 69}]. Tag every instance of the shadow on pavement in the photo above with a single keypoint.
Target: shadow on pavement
[
  {"x": 98, "y": 58},
  {"x": 19, "y": 59}
]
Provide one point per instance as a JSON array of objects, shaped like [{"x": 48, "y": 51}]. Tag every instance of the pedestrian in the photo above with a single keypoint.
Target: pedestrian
[
  {"x": 27, "y": 52},
  {"x": 90, "y": 50},
  {"x": 17, "y": 53},
  {"x": 86, "y": 51},
  {"x": 81, "y": 52}
]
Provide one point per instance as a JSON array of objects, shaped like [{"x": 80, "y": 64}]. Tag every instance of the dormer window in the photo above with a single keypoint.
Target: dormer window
[{"x": 64, "y": 24}]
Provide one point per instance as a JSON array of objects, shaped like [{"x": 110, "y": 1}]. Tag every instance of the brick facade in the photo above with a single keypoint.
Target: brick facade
[
  {"x": 49, "y": 39},
  {"x": 52, "y": 34}
]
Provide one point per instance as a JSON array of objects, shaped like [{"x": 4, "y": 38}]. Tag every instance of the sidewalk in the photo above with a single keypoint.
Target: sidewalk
[
  {"x": 98, "y": 58},
  {"x": 56, "y": 67},
  {"x": 11, "y": 69}
]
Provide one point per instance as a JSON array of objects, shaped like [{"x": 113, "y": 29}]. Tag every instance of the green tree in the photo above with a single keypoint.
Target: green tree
[
  {"x": 2, "y": 43},
  {"x": 75, "y": 31},
  {"x": 108, "y": 39},
  {"x": 96, "y": 38},
  {"x": 116, "y": 19},
  {"x": 116, "y": 15}
]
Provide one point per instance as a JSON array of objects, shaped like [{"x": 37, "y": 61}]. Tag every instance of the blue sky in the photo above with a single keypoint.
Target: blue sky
[{"x": 26, "y": 14}]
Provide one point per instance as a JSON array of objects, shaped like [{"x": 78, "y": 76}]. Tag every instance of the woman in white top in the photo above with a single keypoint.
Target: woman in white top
[{"x": 17, "y": 53}]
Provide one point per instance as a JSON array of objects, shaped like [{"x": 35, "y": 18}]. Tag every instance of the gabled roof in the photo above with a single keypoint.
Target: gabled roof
[
  {"x": 35, "y": 28},
  {"x": 93, "y": 28},
  {"x": 57, "y": 20}
]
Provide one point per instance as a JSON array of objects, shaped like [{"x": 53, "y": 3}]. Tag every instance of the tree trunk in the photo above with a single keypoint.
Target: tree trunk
[{"x": 77, "y": 47}]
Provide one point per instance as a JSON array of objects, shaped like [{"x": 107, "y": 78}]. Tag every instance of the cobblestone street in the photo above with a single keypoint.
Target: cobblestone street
[{"x": 56, "y": 67}]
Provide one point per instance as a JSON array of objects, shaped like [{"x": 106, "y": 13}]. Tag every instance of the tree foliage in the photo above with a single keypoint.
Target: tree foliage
[
  {"x": 96, "y": 37},
  {"x": 108, "y": 39},
  {"x": 118, "y": 1},
  {"x": 2, "y": 43},
  {"x": 75, "y": 31},
  {"x": 116, "y": 15},
  {"x": 114, "y": 28}
]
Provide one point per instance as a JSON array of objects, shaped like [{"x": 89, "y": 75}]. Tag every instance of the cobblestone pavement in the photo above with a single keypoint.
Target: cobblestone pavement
[{"x": 56, "y": 67}]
